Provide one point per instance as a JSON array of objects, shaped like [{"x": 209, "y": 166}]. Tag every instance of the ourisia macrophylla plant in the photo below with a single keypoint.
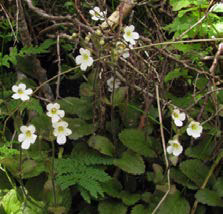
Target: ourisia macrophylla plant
[
  {"x": 110, "y": 83},
  {"x": 194, "y": 129},
  {"x": 27, "y": 136},
  {"x": 61, "y": 132},
  {"x": 21, "y": 92},
  {"x": 178, "y": 117},
  {"x": 129, "y": 34},
  {"x": 84, "y": 59},
  {"x": 54, "y": 112},
  {"x": 174, "y": 147},
  {"x": 97, "y": 14},
  {"x": 123, "y": 50}
]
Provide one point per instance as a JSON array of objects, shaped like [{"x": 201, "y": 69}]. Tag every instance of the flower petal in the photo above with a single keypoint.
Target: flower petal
[
  {"x": 15, "y": 88},
  {"x": 61, "y": 139},
  {"x": 25, "y": 144}
]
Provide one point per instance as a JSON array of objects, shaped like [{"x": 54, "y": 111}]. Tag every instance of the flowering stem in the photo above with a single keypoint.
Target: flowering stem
[{"x": 52, "y": 174}]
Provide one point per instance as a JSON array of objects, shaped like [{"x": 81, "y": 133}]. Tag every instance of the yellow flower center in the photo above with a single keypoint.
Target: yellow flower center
[
  {"x": 193, "y": 126},
  {"x": 129, "y": 33},
  {"x": 175, "y": 115},
  {"x": 20, "y": 91},
  {"x": 53, "y": 110},
  {"x": 85, "y": 57},
  {"x": 61, "y": 129},
  {"x": 28, "y": 133},
  {"x": 97, "y": 14},
  {"x": 175, "y": 145}
]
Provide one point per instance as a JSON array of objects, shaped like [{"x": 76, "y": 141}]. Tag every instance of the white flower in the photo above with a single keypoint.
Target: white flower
[
  {"x": 129, "y": 34},
  {"x": 110, "y": 83},
  {"x": 54, "y": 112},
  {"x": 84, "y": 59},
  {"x": 194, "y": 129},
  {"x": 27, "y": 136},
  {"x": 61, "y": 132},
  {"x": 21, "y": 92},
  {"x": 174, "y": 148},
  {"x": 97, "y": 14},
  {"x": 178, "y": 117}
]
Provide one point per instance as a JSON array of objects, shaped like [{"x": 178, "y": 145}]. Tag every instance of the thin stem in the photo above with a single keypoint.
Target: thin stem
[
  {"x": 52, "y": 174},
  {"x": 164, "y": 151}
]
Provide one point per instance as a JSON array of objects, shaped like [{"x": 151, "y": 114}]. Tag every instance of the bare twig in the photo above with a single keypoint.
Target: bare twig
[
  {"x": 164, "y": 151},
  {"x": 59, "y": 67}
]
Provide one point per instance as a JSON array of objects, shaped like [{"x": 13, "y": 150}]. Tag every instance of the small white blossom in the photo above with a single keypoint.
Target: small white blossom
[
  {"x": 178, "y": 117},
  {"x": 61, "y": 132},
  {"x": 174, "y": 148},
  {"x": 97, "y": 14},
  {"x": 129, "y": 34},
  {"x": 194, "y": 129},
  {"x": 27, "y": 136},
  {"x": 110, "y": 83},
  {"x": 85, "y": 59},
  {"x": 54, "y": 112},
  {"x": 21, "y": 92}
]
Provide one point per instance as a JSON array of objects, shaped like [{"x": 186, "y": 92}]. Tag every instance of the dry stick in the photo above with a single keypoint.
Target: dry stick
[
  {"x": 211, "y": 171},
  {"x": 59, "y": 67},
  {"x": 164, "y": 151},
  {"x": 80, "y": 13}
]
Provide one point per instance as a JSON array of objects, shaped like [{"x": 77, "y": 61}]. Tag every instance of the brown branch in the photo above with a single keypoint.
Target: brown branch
[{"x": 38, "y": 71}]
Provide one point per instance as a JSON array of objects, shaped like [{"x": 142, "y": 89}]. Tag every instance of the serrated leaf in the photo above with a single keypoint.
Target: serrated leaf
[
  {"x": 112, "y": 188},
  {"x": 203, "y": 150},
  {"x": 111, "y": 207},
  {"x": 178, "y": 5},
  {"x": 129, "y": 198},
  {"x": 180, "y": 178},
  {"x": 173, "y": 203},
  {"x": 135, "y": 140},
  {"x": 175, "y": 74},
  {"x": 139, "y": 209},
  {"x": 102, "y": 144},
  {"x": 77, "y": 106},
  {"x": 131, "y": 162},
  {"x": 209, "y": 197},
  {"x": 195, "y": 170},
  {"x": 79, "y": 128},
  {"x": 218, "y": 186}
]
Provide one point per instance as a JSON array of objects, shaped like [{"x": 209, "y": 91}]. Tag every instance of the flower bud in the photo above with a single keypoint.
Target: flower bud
[
  {"x": 98, "y": 32},
  {"x": 102, "y": 42}
]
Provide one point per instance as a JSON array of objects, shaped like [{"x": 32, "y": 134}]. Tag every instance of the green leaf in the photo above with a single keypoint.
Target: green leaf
[
  {"x": 12, "y": 204},
  {"x": 129, "y": 198},
  {"x": 180, "y": 178},
  {"x": 135, "y": 140},
  {"x": 111, "y": 207},
  {"x": 112, "y": 188},
  {"x": 79, "y": 128},
  {"x": 195, "y": 170},
  {"x": 173, "y": 204},
  {"x": 131, "y": 162},
  {"x": 218, "y": 186},
  {"x": 203, "y": 150},
  {"x": 102, "y": 144},
  {"x": 201, "y": 83},
  {"x": 179, "y": 4},
  {"x": 76, "y": 106},
  {"x": 119, "y": 95},
  {"x": 32, "y": 168},
  {"x": 209, "y": 197},
  {"x": 175, "y": 74}
]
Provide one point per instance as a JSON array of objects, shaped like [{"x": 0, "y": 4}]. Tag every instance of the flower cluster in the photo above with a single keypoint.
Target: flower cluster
[
  {"x": 194, "y": 129},
  {"x": 27, "y": 135},
  {"x": 60, "y": 127}
]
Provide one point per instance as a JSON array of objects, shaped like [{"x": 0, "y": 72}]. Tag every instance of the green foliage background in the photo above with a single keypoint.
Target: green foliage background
[{"x": 114, "y": 160}]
